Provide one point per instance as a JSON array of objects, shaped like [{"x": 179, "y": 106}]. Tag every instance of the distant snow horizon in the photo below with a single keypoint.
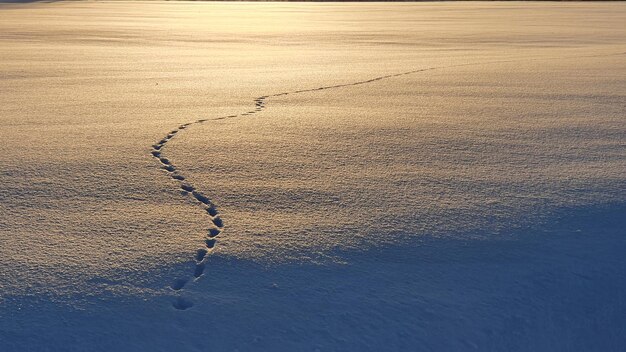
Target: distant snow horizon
[{"x": 364, "y": 1}]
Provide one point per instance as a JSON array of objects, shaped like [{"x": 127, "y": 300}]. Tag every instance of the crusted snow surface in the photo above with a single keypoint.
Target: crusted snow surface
[{"x": 278, "y": 176}]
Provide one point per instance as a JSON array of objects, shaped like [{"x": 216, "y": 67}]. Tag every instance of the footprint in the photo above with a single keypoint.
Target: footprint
[
  {"x": 187, "y": 187},
  {"x": 178, "y": 284},
  {"x": 211, "y": 210},
  {"x": 218, "y": 222},
  {"x": 201, "y": 254},
  {"x": 156, "y": 154},
  {"x": 182, "y": 303},
  {"x": 210, "y": 243},
  {"x": 201, "y": 198},
  {"x": 213, "y": 233},
  {"x": 178, "y": 177},
  {"x": 169, "y": 168},
  {"x": 199, "y": 270}
]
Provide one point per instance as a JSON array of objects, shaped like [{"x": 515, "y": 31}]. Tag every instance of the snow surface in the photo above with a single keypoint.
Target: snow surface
[{"x": 442, "y": 177}]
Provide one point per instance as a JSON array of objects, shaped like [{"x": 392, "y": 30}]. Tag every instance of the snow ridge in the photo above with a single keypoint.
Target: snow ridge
[{"x": 216, "y": 226}]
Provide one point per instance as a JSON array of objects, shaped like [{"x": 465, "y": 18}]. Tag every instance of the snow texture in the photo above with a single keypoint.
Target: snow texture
[{"x": 297, "y": 177}]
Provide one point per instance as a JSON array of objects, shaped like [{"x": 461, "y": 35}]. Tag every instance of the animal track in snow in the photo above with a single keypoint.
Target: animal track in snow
[
  {"x": 188, "y": 189},
  {"x": 199, "y": 270},
  {"x": 217, "y": 225},
  {"x": 200, "y": 254},
  {"x": 178, "y": 284},
  {"x": 182, "y": 303}
]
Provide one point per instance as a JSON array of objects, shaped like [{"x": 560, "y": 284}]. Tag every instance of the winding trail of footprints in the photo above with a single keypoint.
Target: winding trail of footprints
[{"x": 217, "y": 225}]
